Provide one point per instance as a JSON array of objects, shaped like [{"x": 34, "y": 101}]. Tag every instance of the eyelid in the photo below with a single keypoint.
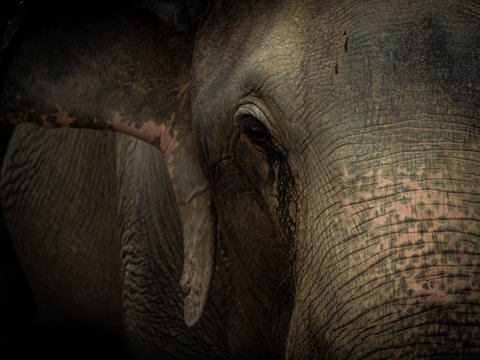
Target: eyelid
[
  {"x": 252, "y": 106},
  {"x": 249, "y": 109}
]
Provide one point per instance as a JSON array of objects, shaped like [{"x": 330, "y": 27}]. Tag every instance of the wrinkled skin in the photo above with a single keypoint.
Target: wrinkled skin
[
  {"x": 113, "y": 263},
  {"x": 341, "y": 147}
]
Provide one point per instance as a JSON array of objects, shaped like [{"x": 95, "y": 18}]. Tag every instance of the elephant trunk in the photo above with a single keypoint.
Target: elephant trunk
[
  {"x": 399, "y": 271},
  {"x": 388, "y": 261}
]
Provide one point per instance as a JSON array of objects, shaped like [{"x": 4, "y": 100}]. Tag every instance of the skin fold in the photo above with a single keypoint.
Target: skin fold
[{"x": 336, "y": 179}]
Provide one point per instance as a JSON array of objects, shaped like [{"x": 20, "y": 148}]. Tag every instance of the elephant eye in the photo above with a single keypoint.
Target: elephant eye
[
  {"x": 255, "y": 130},
  {"x": 254, "y": 121}
]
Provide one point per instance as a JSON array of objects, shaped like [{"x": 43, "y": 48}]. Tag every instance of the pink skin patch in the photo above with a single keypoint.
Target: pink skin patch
[
  {"x": 430, "y": 296},
  {"x": 402, "y": 261},
  {"x": 61, "y": 117},
  {"x": 426, "y": 225},
  {"x": 150, "y": 132},
  {"x": 162, "y": 136}
]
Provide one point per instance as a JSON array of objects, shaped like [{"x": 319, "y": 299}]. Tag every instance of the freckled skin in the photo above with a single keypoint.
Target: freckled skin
[{"x": 347, "y": 192}]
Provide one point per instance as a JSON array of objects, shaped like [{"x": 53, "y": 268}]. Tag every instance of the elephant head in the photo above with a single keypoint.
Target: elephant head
[{"x": 332, "y": 146}]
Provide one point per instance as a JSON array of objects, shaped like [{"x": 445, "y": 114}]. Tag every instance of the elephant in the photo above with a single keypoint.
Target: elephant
[{"x": 274, "y": 179}]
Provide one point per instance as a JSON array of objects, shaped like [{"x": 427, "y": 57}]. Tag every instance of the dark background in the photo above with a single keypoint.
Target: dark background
[{"x": 17, "y": 311}]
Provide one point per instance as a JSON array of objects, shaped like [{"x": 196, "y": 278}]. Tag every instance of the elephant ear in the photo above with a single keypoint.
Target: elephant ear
[{"x": 131, "y": 76}]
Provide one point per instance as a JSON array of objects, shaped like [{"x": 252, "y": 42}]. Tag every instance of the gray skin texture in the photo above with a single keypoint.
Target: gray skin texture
[
  {"x": 103, "y": 247},
  {"x": 340, "y": 141}
]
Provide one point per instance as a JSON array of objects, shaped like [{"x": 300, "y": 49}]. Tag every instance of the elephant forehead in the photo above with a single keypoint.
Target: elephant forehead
[
  {"x": 324, "y": 63},
  {"x": 271, "y": 38},
  {"x": 287, "y": 37}
]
